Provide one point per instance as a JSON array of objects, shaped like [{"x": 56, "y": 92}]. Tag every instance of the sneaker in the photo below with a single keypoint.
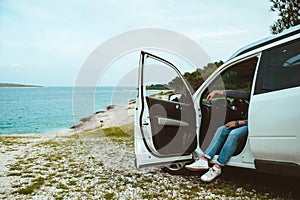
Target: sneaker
[
  {"x": 198, "y": 165},
  {"x": 210, "y": 175}
]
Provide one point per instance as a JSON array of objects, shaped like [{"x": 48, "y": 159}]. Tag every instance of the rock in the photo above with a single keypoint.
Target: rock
[
  {"x": 76, "y": 126},
  {"x": 110, "y": 107},
  {"x": 132, "y": 101},
  {"x": 98, "y": 112},
  {"x": 85, "y": 119}
]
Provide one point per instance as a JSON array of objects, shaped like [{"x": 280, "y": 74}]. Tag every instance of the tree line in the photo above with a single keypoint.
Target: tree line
[{"x": 196, "y": 78}]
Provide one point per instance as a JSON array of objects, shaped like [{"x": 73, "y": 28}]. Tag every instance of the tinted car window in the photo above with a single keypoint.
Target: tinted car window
[
  {"x": 279, "y": 68},
  {"x": 237, "y": 77}
]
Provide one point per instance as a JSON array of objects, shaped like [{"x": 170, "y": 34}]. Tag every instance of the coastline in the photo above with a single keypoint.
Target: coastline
[
  {"x": 51, "y": 108},
  {"x": 113, "y": 116}
]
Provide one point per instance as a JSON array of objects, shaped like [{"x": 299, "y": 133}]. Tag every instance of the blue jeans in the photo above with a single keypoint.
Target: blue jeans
[{"x": 232, "y": 137}]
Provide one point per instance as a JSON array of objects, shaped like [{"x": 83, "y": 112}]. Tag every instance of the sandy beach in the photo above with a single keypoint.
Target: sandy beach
[{"x": 95, "y": 160}]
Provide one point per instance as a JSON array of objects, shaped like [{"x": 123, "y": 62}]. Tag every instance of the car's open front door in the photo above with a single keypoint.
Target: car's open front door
[{"x": 166, "y": 121}]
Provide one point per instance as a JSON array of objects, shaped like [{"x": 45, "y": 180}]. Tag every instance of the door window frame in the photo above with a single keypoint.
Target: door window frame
[{"x": 147, "y": 139}]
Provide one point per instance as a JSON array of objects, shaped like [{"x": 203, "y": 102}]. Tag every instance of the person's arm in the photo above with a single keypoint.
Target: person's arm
[
  {"x": 229, "y": 93},
  {"x": 236, "y": 123},
  {"x": 237, "y": 94},
  {"x": 213, "y": 93}
]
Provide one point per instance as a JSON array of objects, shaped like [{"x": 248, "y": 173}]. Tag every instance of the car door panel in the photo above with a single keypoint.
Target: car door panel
[
  {"x": 173, "y": 126},
  {"x": 165, "y": 129},
  {"x": 275, "y": 136}
]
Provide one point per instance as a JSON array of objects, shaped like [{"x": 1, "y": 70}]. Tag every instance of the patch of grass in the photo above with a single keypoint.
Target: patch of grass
[
  {"x": 72, "y": 182},
  {"x": 62, "y": 186},
  {"x": 73, "y": 136},
  {"x": 7, "y": 143},
  {"x": 9, "y": 149},
  {"x": 52, "y": 182},
  {"x": 128, "y": 129},
  {"x": 14, "y": 174},
  {"x": 14, "y": 140},
  {"x": 125, "y": 131},
  {"x": 116, "y": 132},
  {"x": 28, "y": 176},
  {"x": 15, "y": 168},
  {"x": 109, "y": 196},
  {"x": 58, "y": 197},
  {"x": 50, "y": 143},
  {"x": 29, "y": 189}
]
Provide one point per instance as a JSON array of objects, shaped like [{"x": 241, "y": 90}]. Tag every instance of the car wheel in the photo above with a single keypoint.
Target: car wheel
[{"x": 178, "y": 169}]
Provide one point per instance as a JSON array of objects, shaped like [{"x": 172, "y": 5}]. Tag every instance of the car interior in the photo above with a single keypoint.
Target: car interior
[{"x": 223, "y": 109}]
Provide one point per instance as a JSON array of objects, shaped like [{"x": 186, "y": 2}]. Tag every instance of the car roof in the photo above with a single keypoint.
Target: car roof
[{"x": 268, "y": 40}]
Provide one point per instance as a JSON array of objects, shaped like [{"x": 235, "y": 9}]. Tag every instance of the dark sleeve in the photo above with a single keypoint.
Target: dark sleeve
[{"x": 237, "y": 94}]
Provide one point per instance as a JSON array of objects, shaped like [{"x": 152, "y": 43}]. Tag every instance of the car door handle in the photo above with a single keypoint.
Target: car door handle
[{"x": 171, "y": 122}]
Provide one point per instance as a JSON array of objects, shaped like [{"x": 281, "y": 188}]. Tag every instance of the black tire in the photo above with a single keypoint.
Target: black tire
[{"x": 179, "y": 169}]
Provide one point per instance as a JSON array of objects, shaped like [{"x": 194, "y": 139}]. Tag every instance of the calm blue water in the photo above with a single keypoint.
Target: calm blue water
[{"x": 39, "y": 110}]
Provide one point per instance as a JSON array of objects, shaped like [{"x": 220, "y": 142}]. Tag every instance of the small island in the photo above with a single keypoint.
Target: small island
[{"x": 12, "y": 85}]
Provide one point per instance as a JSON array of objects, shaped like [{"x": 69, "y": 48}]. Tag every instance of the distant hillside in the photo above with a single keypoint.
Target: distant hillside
[
  {"x": 157, "y": 87},
  {"x": 16, "y": 85}
]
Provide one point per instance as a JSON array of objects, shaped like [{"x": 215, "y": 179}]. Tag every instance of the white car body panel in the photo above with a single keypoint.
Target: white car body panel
[{"x": 274, "y": 125}]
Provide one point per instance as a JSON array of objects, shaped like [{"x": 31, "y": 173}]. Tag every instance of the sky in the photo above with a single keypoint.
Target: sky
[{"x": 47, "y": 42}]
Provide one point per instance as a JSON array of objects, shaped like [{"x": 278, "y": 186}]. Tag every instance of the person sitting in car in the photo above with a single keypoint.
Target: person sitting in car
[{"x": 228, "y": 135}]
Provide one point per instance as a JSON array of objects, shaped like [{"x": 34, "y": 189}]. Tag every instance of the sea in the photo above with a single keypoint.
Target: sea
[{"x": 51, "y": 109}]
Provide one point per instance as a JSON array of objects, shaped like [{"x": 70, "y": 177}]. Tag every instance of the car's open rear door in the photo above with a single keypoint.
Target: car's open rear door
[{"x": 165, "y": 124}]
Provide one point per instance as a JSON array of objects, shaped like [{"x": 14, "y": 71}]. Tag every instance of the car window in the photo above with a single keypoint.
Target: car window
[
  {"x": 163, "y": 82},
  {"x": 279, "y": 68},
  {"x": 236, "y": 77}
]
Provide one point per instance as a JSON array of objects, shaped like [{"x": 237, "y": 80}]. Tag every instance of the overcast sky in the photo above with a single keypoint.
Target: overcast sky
[{"x": 47, "y": 42}]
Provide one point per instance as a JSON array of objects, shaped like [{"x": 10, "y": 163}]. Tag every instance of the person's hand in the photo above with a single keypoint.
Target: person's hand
[
  {"x": 212, "y": 94},
  {"x": 231, "y": 125}
]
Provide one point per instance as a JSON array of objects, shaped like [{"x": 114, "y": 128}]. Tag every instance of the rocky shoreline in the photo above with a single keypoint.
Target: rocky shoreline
[{"x": 115, "y": 115}]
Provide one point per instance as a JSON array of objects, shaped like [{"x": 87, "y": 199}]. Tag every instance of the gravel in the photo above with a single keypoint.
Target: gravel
[{"x": 90, "y": 165}]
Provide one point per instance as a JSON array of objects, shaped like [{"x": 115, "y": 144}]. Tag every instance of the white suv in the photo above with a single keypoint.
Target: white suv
[{"x": 172, "y": 132}]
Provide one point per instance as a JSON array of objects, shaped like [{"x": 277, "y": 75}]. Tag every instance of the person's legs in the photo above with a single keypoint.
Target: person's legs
[
  {"x": 218, "y": 140},
  {"x": 213, "y": 147},
  {"x": 231, "y": 144},
  {"x": 228, "y": 149}
]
